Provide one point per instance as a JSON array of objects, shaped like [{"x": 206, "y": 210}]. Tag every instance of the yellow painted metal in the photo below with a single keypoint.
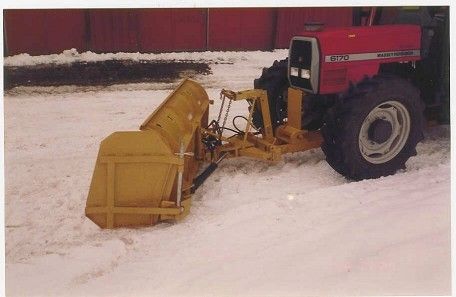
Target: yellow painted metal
[
  {"x": 291, "y": 134},
  {"x": 184, "y": 209},
  {"x": 287, "y": 138},
  {"x": 297, "y": 140},
  {"x": 295, "y": 107},
  {"x": 143, "y": 177},
  {"x": 249, "y": 121},
  {"x": 268, "y": 132},
  {"x": 135, "y": 177},
  {"x": 257, "y": 96}
]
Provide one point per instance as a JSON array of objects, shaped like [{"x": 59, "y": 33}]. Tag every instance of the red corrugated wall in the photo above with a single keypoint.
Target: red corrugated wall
[
  {"x": 113, "y": 30},
  {"x": 290, "y": 21},
  {"x": 241, "y": 28},
  {"x": 160, "y": 30},
  {"x": 44, "y": 31},
  {"x": 171, "y": 29},
  {"x": 147, "y": 30}
]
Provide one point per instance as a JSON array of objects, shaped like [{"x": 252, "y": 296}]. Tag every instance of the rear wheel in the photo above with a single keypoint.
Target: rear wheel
[{"x": 374, "y": 130}]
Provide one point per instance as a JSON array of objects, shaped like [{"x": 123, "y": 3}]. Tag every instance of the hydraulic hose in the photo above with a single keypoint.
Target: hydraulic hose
[{"x": 200, "y": 179}]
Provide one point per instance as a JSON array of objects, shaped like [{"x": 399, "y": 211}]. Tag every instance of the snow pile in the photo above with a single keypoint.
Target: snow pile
[
  {"x": 72, "y": 56},
  {"x": 290, "y": 229}
]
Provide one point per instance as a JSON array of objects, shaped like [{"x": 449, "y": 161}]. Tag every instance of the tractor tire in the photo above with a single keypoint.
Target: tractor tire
[
  {"x": 374, "y": 130},
  {"x": 275, "y": 81}
]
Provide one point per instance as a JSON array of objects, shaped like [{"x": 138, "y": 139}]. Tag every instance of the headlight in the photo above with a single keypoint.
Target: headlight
[
  {"x": 305, "y": 73},
  {"x": 294, "y": 71}
]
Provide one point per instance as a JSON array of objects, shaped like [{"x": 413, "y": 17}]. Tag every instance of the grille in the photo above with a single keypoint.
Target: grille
[{"x": 301, "y": 58}]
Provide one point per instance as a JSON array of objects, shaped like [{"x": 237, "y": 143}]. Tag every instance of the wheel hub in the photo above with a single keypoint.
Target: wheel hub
[
  {"x": 380, "y": 130},
  {"x": 384, "y": 132}
]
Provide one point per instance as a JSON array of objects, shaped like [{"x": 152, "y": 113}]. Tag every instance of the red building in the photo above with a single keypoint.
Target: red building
[{"x": 40, "y": 32}]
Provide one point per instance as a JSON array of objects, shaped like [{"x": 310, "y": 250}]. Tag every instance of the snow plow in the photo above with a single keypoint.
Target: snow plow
[
  {"x": 143, "y": 177},
  {"x": 357, "y": 92},
  {"x": 147, "y": 176}
]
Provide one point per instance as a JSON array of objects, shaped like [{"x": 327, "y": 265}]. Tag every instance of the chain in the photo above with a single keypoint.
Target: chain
[
  {"x": 222, "y": 97},
  {"x": 226, "y": 114},
  {"x": 217, "y": 123}
]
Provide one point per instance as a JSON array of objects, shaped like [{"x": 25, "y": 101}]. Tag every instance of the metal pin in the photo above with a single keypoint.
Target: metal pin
[{"x": 179, "y": 176}]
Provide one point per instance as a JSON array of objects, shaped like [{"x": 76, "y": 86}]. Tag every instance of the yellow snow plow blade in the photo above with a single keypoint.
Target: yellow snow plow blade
[{"x": 143, "y": 177}]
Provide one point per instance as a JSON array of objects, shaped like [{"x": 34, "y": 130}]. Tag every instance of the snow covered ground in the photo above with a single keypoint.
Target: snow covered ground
[{"x": 291, "y": 229}]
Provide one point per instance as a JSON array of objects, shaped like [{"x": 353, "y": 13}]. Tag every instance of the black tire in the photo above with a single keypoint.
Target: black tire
[
  {"x": 343, "y": 123},
  {"x": 275, "y": 81}
]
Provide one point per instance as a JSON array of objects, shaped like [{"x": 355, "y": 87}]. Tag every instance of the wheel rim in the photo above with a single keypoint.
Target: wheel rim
[{"x": 384, "y": 132}]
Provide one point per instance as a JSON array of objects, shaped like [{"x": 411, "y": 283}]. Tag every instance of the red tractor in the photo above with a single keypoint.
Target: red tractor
[{"x": 369, "y": 86}]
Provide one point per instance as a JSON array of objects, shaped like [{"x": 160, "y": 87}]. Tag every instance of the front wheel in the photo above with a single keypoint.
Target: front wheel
[{"x": 374, "y": 130}]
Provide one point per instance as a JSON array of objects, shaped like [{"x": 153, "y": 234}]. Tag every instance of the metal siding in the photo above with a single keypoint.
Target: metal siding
[
  {"x": 153, "y": 30},
  {"x": 189, "y": 29},
  {"x": 113, "y": 30},
  {"x": 25, "y": 31},
  {"x": 290, "y": 21},
  {"x": 241, "y": 28},
  {"x": 39, "y": 32},
  {"x": 65, "y": 29},
  {"x": 172, "y": 29}
]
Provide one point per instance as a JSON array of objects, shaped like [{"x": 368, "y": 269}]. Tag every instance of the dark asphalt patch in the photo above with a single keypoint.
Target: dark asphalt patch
[{"x": 102, "y": 73}]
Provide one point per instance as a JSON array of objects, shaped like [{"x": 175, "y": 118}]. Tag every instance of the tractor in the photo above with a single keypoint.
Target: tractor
[
  {"x": 361, "y": 93},
  {"x": 368, "y": 87}
]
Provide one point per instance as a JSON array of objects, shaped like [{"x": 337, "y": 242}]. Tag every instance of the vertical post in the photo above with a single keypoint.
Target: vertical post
[
  {"x": 110, "y": 195},
  {"x": 207, "y": 29},
  {"x": 180, "y": 172},
  {"x": 249, "y": 121},
  {"x": 372, "y": 13},
  {"x": 295, "y": 111},
  {"x": 264, "y": 104}
]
